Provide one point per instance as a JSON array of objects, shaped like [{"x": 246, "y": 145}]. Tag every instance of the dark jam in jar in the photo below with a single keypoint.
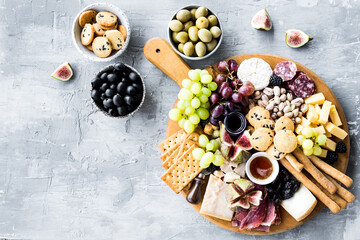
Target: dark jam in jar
[
  {"x": 235, "y": 123},
  {"x": 261, "y": 168}
]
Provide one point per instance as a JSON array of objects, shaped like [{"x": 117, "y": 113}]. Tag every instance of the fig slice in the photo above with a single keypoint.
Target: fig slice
[
  {"x": 296, "y": 38},
  {"x": 224, "y": 135},
  {"x": 261, "y": 20},
  {"x": 63, "y": 72},
  {"x": 244, "y": 141}
]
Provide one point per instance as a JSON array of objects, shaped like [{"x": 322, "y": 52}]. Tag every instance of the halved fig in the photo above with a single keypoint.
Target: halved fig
[
  {"x": 254, "y": 197},
  {"x": 239, "y": 155},
  {"x": 232, "y": 193},
  {"x": 225, "y": 150},
  {"x": 296, "y": 38},
  {"x": 261, "y": 20},
  {"x": 63, "y": 72},
  {"x": 244, "y": 141},
  {"x": 224, "y": 135},
  {"x": 242, "y": 202},
  {"x": 244, "y": 185}
]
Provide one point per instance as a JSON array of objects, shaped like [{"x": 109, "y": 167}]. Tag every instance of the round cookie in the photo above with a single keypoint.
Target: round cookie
[
  {"x": 99, "y": 30},
  {"x": 106, "y": 19},
  {"x": 284, "y": 123},
  {"x": 87, "y": 34},
  {"x": 115, "y": 26},
  {"x": 265, "y": 123},
  {"x": 274, "y": 154},
  {"x": 87, "y": 16},
  {"x": 285, "y": 141},
  {"x": 116, "y": 39},
  {"x": 89, "y": 47},
  {"x": 261, "y": 139},
  {"x": 256, "y": 114},
  {"x": 123, "y": 31},
  {"x": 101, "y": 47}
]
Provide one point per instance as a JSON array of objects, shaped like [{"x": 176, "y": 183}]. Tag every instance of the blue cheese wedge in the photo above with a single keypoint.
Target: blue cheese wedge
[
  {"x": 214, "y": 203},
  {"x": 301, "y": 204},
  {"x": 256, "y": 71}
]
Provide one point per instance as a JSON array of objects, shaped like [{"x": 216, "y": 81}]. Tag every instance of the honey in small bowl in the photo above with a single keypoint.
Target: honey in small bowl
[{"x": 261, "y": 167}]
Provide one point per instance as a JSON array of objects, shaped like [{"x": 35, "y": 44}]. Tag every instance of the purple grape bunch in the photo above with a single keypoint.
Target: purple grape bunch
[{"x": 232, "y": 94}]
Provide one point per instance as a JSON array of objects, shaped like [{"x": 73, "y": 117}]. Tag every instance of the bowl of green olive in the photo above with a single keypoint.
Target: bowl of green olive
[{"x": 195, "y": 32}]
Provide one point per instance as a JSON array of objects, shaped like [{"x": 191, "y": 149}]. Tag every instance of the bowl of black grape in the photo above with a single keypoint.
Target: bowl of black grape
[
  {"x": 118, "y": 90},
  {"x": 232, "y": 94}
]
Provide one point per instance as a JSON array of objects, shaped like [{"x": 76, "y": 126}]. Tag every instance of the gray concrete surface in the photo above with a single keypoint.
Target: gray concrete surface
[{"x": 69, "y": 172}]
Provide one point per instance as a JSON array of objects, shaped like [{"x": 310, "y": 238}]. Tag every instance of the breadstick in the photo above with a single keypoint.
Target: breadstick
[
  {"x": 345, "y": 194},
  {"x": 339, "y": 201},
  {"x": 292, "y": 160},
  {"x": 311, "y": 186},
  {"x": 330, "y": 170},
  {"x": 316, "y": 173}
]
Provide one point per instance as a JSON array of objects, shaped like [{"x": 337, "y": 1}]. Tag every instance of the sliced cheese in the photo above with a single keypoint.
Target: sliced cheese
[
  {"x": 336, "y": 131},
  {"x": 334, "y": 116},
  {"x": 214, "y": 203},
  {"x": 323, "y": 153},
  {"x": 318, "y": 98},
  {"x": 305, "y": 122},
  {"x": 325, "y": 111},
  {"x": 330, "y": 144},
  {"x": 299, "y": 128},
  {"x": 301, "y": 204},
  {"x": 312, "y": 115},
  {"x": 320, "y": 130}
]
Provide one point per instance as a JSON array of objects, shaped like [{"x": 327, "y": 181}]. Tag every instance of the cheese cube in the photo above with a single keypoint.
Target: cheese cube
[
  {"x": 312, "y": 116},
  {"x": 320, "y": 130},
  {"x": 214, "y": 203},
  {"x": 336, "y": 131},
  {"x": 323, "y": 153},
  {"x": 325, "y": 111},
  {"x": 318, "y": 108},
  {"x": 304, "y": 122},
  {"x": 330, "y": 144},
  {"x": 301, "y": 204},
  {"x": 298, "y": 129},
  {"x": 318, "y": 98},
  {"x": 334, "y": 116}
]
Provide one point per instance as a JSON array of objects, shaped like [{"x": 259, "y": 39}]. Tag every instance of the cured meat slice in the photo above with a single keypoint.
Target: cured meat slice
[
  {"x": 286, "y": 70},
  {"x": 290, "y": 84},
  {"x": 239, "y": 216},
  {"x": 255, "y": 217},
  {"x": 270, "y": 214},
  {"x": 303, "y": 86}
]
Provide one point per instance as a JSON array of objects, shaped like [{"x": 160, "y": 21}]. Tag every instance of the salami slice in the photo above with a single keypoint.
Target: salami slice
[
  {"x": 286, "y": 70},
  {"x": 303, "y": 86},
  {"x": 290, "y": 84}
]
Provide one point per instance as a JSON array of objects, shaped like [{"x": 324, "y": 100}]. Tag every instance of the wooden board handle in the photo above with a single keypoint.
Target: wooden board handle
[{"x": 159, "y": 52}]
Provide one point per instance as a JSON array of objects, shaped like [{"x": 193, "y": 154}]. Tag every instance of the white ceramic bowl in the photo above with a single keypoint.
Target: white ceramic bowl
[
  {"x": 268, "y": 180},
  {"x": 174, "y": 45},
  {"x": 142, "y": 100},
  {"x": 76, "y": 30}
]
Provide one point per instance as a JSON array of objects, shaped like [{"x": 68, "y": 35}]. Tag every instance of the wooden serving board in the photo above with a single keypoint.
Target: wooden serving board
[{"x": 159, "y": 52}]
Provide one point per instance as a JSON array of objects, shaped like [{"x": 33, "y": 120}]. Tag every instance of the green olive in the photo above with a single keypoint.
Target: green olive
[
  {"x": 200, "y": 49},
  {"x": 187, "y": 25},
  {"x": 201, "y": 12},
  {"x": 204, "y": 35},
  {"x": 193, "y": 34},
  {"x": 173, "y": 36},
  {"x": 183, "y": 15},
  {"x": 211, "y": 45},
  {"x": 215, "y": 31},
  {"x": 188, "y": 48},
  {"x": 213, "y": 21},
  {"x": 202, "y": 22},
  {"x": 176, "y": 25},
  {"x": 181, "y": 47},
  {"x": 182, "y": 37},
  {"x": 192, "y": 11}
]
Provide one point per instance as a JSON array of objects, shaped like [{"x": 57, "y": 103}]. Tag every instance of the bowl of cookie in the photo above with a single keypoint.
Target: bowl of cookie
[{"x": 101, "y": 32}]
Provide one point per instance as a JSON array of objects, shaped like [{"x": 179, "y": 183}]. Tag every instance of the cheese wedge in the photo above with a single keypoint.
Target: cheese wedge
[
  {"x": 323, "y": 153},
  {"x": 330, "y": 144},
  {"x": 301, "y": 204},
  {"x": 325, "y": 112},
  {"x": 298, "y": 129},
  {"x": 305, "y": 122},
  {"x": 312, "y": 115},
  {"x": 320, "y": 130},
  {"x": 318, "y": 98},
  {"x": 334, "y": 116},
  {"x": 214, "y": 203},
  {"x": 336, "y": 131}
]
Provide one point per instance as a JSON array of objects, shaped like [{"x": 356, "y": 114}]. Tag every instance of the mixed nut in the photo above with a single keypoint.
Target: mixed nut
[{"x": 280, "y": 103}]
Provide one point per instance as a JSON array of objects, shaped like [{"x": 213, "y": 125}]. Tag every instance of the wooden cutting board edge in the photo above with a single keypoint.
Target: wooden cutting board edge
[{"x": 159, "y": 52}]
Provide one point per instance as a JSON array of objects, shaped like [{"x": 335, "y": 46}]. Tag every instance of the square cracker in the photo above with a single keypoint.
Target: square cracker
[
  {"x": 170, "y": 151},
  {"x": 172, "y": 140},
  {"x": 182, "y": 172},
  {"x": 186, "y": 145}
]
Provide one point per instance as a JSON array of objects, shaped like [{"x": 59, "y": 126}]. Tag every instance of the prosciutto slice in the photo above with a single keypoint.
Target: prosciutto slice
[
  {"x": 270, "y": 214},
  {"x": 255, "y": 217},
  {"x": 239, "y": 216}
]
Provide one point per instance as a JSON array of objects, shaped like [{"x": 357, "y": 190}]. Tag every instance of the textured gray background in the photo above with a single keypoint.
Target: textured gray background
[{"x": 69, "y": 172}]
